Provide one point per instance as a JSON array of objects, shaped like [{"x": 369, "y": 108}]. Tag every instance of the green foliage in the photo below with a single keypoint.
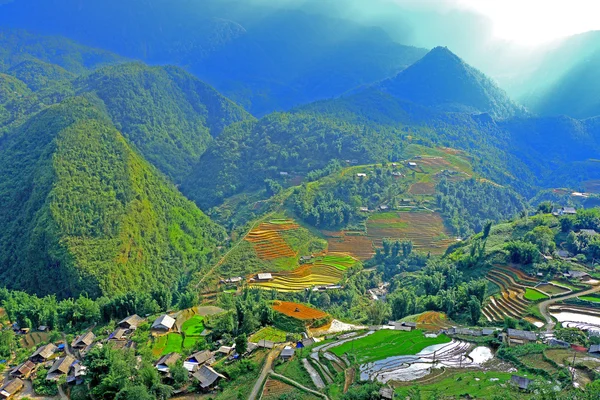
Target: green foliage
[
  {"x": 100, "y": 219},
  {"x": 43, "y": 387},
  {"x": 247, "y": 153},
  {"x": 167, "y": 114},
  {"x": 468, "y": 205},
  {"x": 523, "y": 252}
]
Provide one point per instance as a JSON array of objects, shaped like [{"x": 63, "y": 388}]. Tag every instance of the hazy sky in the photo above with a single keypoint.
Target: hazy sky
[{"x": 534, "y": 22}]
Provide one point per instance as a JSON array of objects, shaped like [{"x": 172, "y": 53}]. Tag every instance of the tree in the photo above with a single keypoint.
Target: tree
[
  {"x": 377, "y": 312},
  {"x": 136, "y": 392},
  {"x": 486, "y": 229},
  {"x": 545, "y": 207},
  {"x": 241, "y": 344},
  {"x": 474, "y": 309},
  {"x": 179, "y": 374}
]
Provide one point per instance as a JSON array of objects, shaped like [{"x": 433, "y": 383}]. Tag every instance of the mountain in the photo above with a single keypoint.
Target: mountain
[
  {"x": 574, "y": 94},
  {"x": 169, "y": 115},
  {"x": 247, "y": 153},
  {"x": 39, "y": 74},
  {"x": 17, "y": 45},
  {"x": 444, "y": 81},
  {"x": 82, "y": 212},
  {"x": 264, "y": 58}
]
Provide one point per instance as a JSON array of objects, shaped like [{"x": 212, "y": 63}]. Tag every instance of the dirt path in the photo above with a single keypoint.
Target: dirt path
[
  {"x": 314, "y": 375},
  {"x": 267, "y": 368},
  {"x": 349, "y": 378},
  {"x": 214, "y": 267},
  {"x": 299, "y": 386},
  {"x": 544, "y": 305}
]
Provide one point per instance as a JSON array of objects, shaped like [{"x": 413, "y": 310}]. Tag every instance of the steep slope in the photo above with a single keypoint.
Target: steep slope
[
  {"x": 442, "y": 80},
  {"x": 16, "y": 101},
  {"x": 17, "y": 46},
  {"x": 169, "y": 115},
  {"x": 264, "y": 58},
  {"x": 38, "y": 74},
  {"x": 247, "y": 153},
  {"x": 574, "y": 94},
  {"x": 81, "y": 212}
]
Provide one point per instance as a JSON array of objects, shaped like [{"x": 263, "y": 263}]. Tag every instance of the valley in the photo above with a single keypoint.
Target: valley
[{"x": 225, "y": 200}]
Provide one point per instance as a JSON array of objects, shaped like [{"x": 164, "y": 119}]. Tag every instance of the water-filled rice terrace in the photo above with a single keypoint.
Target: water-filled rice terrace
[{"x": 322, "y": 271}]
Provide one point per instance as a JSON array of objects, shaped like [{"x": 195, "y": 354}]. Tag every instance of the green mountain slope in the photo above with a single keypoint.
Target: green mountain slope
[
  {"x": 38, "y": 74},
  {"x": 82, "y": 212},
  {"x": 441, "y": 79},
  {"x": 247, "y": 153},
  {"x": 17, "y": 46},
  {"x": 169, "y": 115}
]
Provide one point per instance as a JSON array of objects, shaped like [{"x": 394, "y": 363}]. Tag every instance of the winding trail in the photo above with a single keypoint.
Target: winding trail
[
  {"x": 544, "y": 305},
  {"x": 267, "y": 368},
  {"x": 218, "y": 264}
]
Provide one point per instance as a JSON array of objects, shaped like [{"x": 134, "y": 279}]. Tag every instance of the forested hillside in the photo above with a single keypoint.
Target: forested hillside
[
  {"x": 247, "y": 153},
  {"x": 169, "y": 115},
  {"x": 83, "y": 213}
]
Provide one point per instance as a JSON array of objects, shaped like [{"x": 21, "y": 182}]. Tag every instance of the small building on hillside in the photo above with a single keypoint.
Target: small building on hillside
[
  {"x": 361, "y": 175},
  {"x": 233, "y": 280},
  {"x": 83, "y": 341},
  {"x": 520, "y": 382},
  {"x": 266, "y": 344},
  {"x": 9, "y": 390},
  {"x": 589, "y": 232},
  {"x": 163, "y": 323},
  {"x": 287, "y": 353},
  {"x": 131, "y": 322},
  {"x": 412, "y": 164},
  {"x": 594, "y": 349},
  {"x": 383, "y": 207},
  {"x": 264, "y": 277},
  {"x": 207, "y": 377},
  {"x": 42, "y": 328},
  {"x": 517, "y": 336},
  {"x": 61, "y": 367},
  {"x": 559, "y": 343},
  {"x": 166, "y": 361},
  {"x": 200, "y": 357},
  {"x": 488, "y": 331},
  {"x": 226, "y": 350},
  {"x": 567, "y": 211},
  {"x": 77, "y": 374},
  {"x": 579, "y": 275},
  {"x": 43, "y": 353},
  {"x": 23, "y": 370}
]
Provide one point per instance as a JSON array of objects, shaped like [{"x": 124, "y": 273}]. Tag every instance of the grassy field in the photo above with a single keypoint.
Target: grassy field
[
  {"x": 592, "y": 298},
  {"x": 171, "y": 343},
  {"x": 534, "y": 295},
  {"x": 294, "y": 370},
  {"x": 193, "y": 326},
  {"x": 387, "y": 343},
  {"x": 269, "y": 333},
  {"x": 476, "y": 384},
  {"x": 277, "y": 390}
]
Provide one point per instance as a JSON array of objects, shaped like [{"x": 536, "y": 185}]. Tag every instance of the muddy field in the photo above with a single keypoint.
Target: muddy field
[{"x": 297, "y": 310}]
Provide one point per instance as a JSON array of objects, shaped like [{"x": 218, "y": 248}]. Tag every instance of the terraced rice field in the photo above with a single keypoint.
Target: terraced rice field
[
  {"x": 34, "y": 339},
  {"x": 324, "y": 271},
  {"x": 534, "y": 295},
  {"x": 425, "y": 229},
  {"x": 276, "y": 390},
  {"x": 422, "y": 188},
  {"x": 297, "y": 310},
  {"x": 552, "y": 290},
  {"x": 355, "y": 243},
  {"x": 268, "y": 242},
  {"x": 269, "y": 333},
  {"x": 511, "y": 302},
  {"x": 433, "y": 321}
]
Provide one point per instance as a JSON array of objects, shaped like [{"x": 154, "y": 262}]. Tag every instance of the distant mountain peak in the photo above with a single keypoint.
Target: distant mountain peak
[{"x": 443, "y": 80}]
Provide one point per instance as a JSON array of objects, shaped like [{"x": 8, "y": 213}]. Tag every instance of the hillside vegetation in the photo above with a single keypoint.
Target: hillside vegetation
[{"x": 82, "y": 212}]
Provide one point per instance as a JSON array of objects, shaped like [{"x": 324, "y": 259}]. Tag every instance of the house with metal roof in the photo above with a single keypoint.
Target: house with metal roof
[
  {"x": 163, "y": 323},
  {"x": 9, "y": 390},
  {"x": 43, "y": 353},
  {"x": 131, "y": 322},
  {"x": 83, "y": 341},
  {"x": 166, "y": 361},
  {"x": 207, "y": 377},
  {"x": 60, "y": 367}
]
